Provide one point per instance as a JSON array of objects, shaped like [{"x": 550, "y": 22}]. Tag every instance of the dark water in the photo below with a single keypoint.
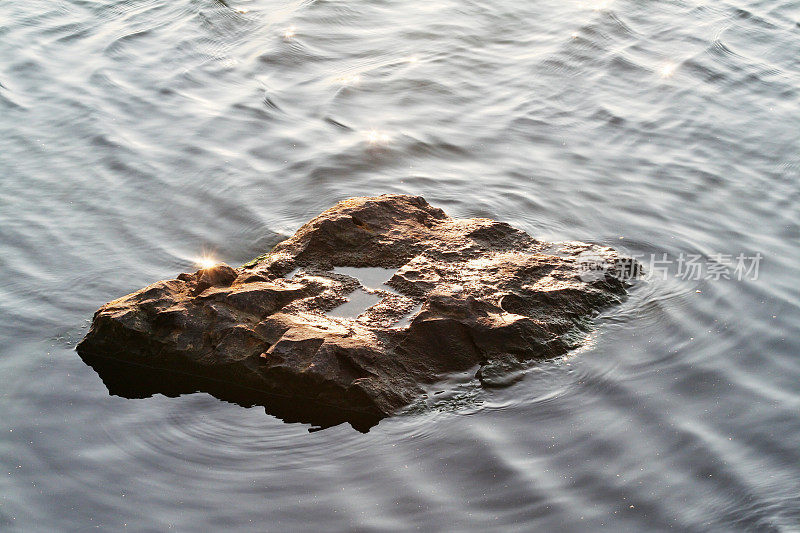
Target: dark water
[{"x": 137, "y": 134}]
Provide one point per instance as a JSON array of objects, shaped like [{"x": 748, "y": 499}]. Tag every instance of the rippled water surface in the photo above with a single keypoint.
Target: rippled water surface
[{"x": 136, "y": 135}]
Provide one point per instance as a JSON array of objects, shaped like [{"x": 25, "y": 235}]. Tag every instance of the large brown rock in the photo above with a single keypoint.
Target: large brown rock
[{"x": 461, "y": 294}]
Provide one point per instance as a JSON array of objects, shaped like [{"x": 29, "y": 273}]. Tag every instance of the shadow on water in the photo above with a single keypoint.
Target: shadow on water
[{"x": 134, "y": 381}]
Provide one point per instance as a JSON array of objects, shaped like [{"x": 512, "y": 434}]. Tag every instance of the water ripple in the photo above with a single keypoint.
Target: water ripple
[{"x": 135, "y": 135}]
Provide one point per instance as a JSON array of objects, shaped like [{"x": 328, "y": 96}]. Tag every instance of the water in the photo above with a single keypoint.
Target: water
[
  {"x": 358, "y": 302},
  {"x": 137, "y": 135}
]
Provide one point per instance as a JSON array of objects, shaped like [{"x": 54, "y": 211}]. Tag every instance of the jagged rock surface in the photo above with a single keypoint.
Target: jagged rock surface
[{"x": 481, "y": 291}]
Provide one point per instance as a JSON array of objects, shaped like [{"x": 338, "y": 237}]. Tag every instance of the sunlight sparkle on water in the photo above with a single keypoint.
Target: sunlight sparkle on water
[
  {"x": 349, "y": 79},
  {"x": 597, "y": 5},
  {"x": 378, "y": 137},
  {"x": 667, "y": 70}
]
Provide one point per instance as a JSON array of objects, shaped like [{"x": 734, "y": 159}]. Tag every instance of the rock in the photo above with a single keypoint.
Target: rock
[{"x": 460, "y": 294}]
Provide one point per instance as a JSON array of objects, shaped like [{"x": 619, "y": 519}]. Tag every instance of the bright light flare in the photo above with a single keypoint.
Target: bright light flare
[
  {"x": 290, "y": 32},
  {"x": 205, "y": 262}
]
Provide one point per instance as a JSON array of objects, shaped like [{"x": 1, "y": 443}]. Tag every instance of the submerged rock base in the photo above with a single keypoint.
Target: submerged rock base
[{"x": 459, "y": 294}]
